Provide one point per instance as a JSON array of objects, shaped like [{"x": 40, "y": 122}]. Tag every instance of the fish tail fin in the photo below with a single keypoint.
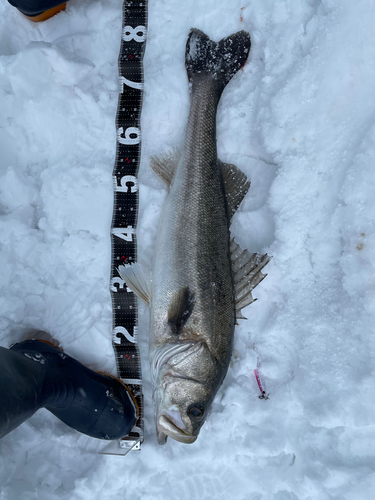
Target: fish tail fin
[{"x": 219, "y": 59}]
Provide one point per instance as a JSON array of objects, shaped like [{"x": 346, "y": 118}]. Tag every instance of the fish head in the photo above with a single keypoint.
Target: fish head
[{"x": 185, "y": 384}]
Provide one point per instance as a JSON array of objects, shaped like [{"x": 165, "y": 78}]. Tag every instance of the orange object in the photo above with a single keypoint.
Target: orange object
[
  {"x": 50, "y": 343},
  {"x": 126, "y": 387},
  {"x": 47, "y": 13}
]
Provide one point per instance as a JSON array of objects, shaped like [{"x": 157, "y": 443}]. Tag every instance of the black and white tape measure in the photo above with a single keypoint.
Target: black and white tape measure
[{"x": 125, "y": 210}]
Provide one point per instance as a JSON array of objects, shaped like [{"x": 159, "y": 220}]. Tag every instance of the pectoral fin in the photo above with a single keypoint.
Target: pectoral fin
[
  {"x": 247, "y": 274},
  {"x": 136, "y": 280},
  {"x": 180, "y": 309},
  {"x": 165, "y": 165},
  {"x": 236, "y": 186}
]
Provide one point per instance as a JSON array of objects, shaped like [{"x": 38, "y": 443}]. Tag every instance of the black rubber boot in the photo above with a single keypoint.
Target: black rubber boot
[
  {"x": 36, "y": 374},
  {"x": 39, "y": 10}
]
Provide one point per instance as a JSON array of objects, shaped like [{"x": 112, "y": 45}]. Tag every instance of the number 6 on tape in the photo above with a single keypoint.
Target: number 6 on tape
[{"x": 127, "y": 139}]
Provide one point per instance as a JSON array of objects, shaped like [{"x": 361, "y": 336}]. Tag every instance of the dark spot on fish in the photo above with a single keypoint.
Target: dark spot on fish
[
  {"x": 360, "y": 246},
  {"x": 180, "y": 309}
]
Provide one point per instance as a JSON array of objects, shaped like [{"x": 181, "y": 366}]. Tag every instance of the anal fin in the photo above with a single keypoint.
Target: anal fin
[
  {"x": 165, "y": 165},
  {"x": 247, "y": 274}
]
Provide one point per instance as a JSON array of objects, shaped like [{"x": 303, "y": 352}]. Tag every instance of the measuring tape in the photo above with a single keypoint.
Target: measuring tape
[{"x": 125, "y": 211}]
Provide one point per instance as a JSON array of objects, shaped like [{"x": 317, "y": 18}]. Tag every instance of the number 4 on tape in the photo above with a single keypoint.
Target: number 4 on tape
[{"x": 125, "y": 233}]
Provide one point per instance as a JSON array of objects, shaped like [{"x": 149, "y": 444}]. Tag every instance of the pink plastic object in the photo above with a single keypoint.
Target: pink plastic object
[{"x": 260, "y": 381}]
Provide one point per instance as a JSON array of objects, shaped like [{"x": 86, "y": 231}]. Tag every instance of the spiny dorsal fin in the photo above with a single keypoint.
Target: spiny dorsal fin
[
  {"x": 136, "y": 280},
  {"x": 180, "y": 309},
  {"x": 247, "y": 274},
  {"x": 165, "y": 165},
  {"x": 236, "y": 186}
]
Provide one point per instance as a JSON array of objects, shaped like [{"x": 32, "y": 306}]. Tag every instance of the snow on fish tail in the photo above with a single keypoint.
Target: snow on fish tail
[{"x": 219, "y": 59}]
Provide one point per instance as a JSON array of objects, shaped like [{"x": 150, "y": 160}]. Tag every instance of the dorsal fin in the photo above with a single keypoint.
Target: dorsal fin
[
  {"x": 247, "y": 274},
  {"x": 180, "y": 309},
  {"x": 236, "y": 186},
  {"x": 165, "y": 165}
]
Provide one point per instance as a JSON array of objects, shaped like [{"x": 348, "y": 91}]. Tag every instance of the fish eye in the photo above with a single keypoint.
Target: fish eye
[{"x": 196, "y": 410}]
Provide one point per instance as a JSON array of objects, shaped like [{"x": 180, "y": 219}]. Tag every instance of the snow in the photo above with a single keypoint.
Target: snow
[{"x": 299, "y": 121}]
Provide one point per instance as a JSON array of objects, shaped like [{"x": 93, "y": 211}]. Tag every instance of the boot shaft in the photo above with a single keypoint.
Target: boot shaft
[{"x": 38, "y": 375}]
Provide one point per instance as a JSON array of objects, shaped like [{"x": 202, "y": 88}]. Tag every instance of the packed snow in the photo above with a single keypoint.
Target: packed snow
[{"x": 299, "y": 120}]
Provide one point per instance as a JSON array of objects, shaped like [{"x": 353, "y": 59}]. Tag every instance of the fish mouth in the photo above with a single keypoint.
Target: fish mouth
[{"x": 166, "y": 427}]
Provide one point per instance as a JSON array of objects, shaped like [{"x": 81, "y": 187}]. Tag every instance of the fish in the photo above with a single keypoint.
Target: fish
[{"x": 201, "y": 278}]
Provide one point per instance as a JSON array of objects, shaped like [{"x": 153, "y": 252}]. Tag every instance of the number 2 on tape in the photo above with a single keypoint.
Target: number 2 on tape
[{"x": 122, "y": 331}]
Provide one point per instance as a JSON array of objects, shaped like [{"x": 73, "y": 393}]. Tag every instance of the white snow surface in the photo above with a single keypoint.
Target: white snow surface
[{"x": 299, "y": 121}]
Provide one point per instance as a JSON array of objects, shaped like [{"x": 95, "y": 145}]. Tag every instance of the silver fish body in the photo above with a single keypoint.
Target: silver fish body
[
  {"x": 201, "y": 278},
  {"x": 192, "y": 263}
]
